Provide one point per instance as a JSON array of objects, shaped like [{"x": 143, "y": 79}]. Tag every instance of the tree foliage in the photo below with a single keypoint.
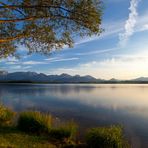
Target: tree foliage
[{"x": 43, "y": 25}]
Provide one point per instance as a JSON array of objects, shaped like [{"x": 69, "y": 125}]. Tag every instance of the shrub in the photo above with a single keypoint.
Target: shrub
[
  {"x": 105, "y": 137},
  {"x": 6, "y": 115},
  {"x": 34, "y": 122}
]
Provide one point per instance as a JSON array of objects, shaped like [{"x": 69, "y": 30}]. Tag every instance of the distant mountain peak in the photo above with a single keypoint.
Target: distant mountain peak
[
  {"x": 2, "y": 72},
  {"x": 141, "y": 79},
  {"x": 77, "y": 76},
  {"x": 113, "y": 79},
  {"x": 88, "y": 76},
  {"x": 64, "y": 75}
]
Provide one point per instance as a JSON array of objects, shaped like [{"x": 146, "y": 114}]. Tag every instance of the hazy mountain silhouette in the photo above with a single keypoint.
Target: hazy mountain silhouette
[
  {"x": 40, "y": 77},
  {"x": 63, "y": 78}
]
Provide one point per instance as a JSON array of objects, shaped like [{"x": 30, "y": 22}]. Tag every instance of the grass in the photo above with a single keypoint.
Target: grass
[
  {"x": 69, "y": 127},
  {"x": 106, "y": 137},
  {"x": 6, "y": 115},
  {"x": 65, "y": 133},
  {"x": 13, "y": 138},
  {"x": 34, "y": 122},
  {"x": 41, "y": 124},
  {"x": 37, "y": 130}
]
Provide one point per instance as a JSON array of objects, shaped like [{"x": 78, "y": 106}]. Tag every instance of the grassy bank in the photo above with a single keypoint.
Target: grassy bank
[
  {"x": 38, "y": 130},
  {"x": 11, "y": 137}
]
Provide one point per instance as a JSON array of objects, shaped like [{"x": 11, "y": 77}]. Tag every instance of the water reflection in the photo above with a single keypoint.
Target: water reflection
[{"x": 90, "y": 105}]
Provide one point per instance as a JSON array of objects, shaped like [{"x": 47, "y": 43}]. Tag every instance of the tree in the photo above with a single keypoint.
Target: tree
[{"x": 43, "y": 25}]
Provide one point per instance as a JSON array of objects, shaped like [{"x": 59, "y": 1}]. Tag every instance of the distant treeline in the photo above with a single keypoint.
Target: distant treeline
[{"x": 102, "y": 82}]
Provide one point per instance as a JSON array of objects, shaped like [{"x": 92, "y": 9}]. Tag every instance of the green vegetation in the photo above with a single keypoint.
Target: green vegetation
[
  {"x": 34, "y": 122},
  {"x": 35, "y": 129},
  {"x": 64, "y": 133},
  {"x": 6, "y": 115},
  {"x": 106, "y": 137},
  {"x": 11, "y": 137},
  {"x": 46, "y": 25}
]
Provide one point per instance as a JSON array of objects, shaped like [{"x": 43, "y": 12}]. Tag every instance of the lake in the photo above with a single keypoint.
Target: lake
[{"x": 90, "y": 105}]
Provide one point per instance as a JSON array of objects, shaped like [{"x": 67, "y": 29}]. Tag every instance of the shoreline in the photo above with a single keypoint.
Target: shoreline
[{"x": 121, "y": 82}]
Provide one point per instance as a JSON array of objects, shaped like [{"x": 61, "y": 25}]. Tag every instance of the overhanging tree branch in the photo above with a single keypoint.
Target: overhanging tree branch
[
  {"x": 42, "y": 17},
  {"x": 2, "y": 3},
  {"x": 13, "y": 38},
  {"x": 34, "y": 6},
  {"x": 35, "y": 17}
]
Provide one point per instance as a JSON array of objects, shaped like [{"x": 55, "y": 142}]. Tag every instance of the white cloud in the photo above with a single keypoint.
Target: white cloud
[
  {"x": 97, "y": 51},
  {"x": 16, "y": 67},
  {"x": 143, "y": 28},
  {"x": 13, "y": 64},
  {"x": 9, "y": 59},
  {"x": 26, "y": 67},
  {"x": 51, "y": 59},
  {"x": 142, "y": 21},
  {"x": 130, "y": 23},
  {"x": 58, "y": 59},
  {"x": 32, "y": 63},
  {"x": 111, "y": 28}
]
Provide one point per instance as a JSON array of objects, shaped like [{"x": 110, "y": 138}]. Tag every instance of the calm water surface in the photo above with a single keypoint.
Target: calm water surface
[{"x": 90, "y": 105}]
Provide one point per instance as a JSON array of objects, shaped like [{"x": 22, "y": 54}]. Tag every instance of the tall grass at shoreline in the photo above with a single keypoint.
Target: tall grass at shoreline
[
  {"x": 6, "y": 115},
  {"x": 41, "y": 130},
  {"x": 34, "y": 122},
  {"x": 106, "y": 137}
]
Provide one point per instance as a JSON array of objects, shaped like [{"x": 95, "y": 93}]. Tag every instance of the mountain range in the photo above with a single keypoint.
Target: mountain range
[{"x": 33, "y": 77}]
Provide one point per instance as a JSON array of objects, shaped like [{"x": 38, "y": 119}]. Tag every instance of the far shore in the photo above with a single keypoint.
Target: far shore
[{"x": 104, "y": 82}]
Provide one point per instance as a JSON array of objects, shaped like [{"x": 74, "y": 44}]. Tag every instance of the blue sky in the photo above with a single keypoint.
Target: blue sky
[{"x": 121, "y": 51}]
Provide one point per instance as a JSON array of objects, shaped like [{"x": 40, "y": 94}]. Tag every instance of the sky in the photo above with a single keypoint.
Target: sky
[{"x": 121, "y": 51}]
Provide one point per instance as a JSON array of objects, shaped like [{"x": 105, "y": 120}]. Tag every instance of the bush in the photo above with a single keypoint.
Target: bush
[
  {"x": 6, "y": 115},
  {"x": 34, "y": 122},
  {"x": 105, "y": 137}
]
